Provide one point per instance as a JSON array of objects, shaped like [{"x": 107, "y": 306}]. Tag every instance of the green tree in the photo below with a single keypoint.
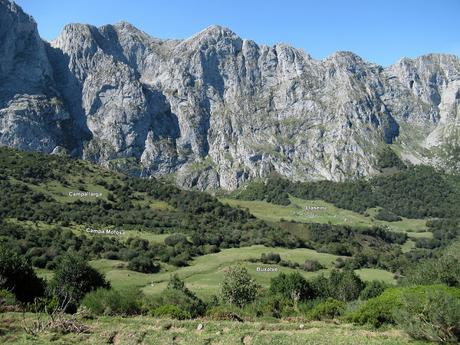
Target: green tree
[
  {"x": 238, "y": 287},
  {"x": 178, "y": 295},
  {"x": 73, "y": 278},
  {"x": 143, "y": 264},
  {"x": 292, "y": 286},
  {"x": 18, "y": 276},
  {"x": 345, "y": 285},
  {"x": 341, "y": 285}
]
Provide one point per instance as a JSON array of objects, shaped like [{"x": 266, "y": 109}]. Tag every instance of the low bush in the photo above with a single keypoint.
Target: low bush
[
  {"x": 112, "y": 302},
  {"x": 434, "y": 316},
  {"x": 443, "y": 270},
  {"x": 312, "y": 266},
  {"x": 272, "y": 305},
  {"x": 373, "y": 289},
  {"x": 7, "y": 300},
  {"x": 270, "y": 258},
  {"x": 387, "y": 216},
  {"x": 172, "y": 311},
  {"x": 329, "y": 309},
  {"x": 379, "y": 310},
  {"x": 177, "y": 294},
  {"x": 225, "y": 312},
  {"x": 383, "y": 309},
  {"x": 143, "y": 264}
]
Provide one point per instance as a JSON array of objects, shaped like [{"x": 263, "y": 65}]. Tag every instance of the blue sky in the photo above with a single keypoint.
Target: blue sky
[{"x": 379, "y": 31}]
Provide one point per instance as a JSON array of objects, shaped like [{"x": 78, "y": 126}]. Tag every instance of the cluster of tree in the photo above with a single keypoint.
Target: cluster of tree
[
  {"x": 415, "y": 192},
  {"x": 348, "y": 240},
  {"x": 72, "y": 279},
  {"x": 444, "y": 232},
  {"x": 44, "y": 247},
  {"x": 387, "y": 158},
  {"x": 388, "y": 216}
]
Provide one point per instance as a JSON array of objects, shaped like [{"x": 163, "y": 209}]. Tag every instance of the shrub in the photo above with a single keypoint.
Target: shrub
[
  {"x": 270, "y": 258},
  {"x": 292, "y": 286},
  {"x": 7, "y": 298},
  {"x": 445, "y": 270},
  {"x": 238, "y": 288},
  {"x": 341, "y": 285},
  {"x": 225, "y": 312},
  {"x": 435, "y": 316},
  {"x": 329, "y": 309},
  {"x": 178, "y": 261},
  {"x": 373, "y": 289},
  {"x": 143, "y": 264},
  {"x": 312, "y": 266},
  {"x": 381, "y": 310},
  {"x": 112, "y": 302},
  {"x": 386, "y": 215},
  {"x": 271, "y": 305},
  {"x": 73, "y": 278},
  {"x": 172, "y": 311},
  {"x": 175, "y": 239},
  {"x": 18, "y": 276},
  {"x": 179, "y": 295},
  {"x": 288, "y": 263},
  {"x": 112, "y": 255}
]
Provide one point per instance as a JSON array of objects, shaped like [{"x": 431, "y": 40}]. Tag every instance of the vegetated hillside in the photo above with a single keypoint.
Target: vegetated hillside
[
  {"x": 412, "y": 192},
  {"x": 189, "y": 274},
  {"x": 36, "y": 187},
  {"x": 42, "y": 221}
]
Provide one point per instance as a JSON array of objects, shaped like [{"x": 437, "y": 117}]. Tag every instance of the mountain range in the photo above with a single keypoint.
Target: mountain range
[{"x": 215, "y": 110}]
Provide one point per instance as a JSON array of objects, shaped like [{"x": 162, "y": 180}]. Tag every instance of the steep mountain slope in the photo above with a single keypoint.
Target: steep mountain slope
[
  {"x": 219, "y": 110},
  {"x": 30, "y": 112}
]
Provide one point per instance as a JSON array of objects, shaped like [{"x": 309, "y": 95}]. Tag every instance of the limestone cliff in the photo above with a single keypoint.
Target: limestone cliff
[{"x": 217, "y": 110}]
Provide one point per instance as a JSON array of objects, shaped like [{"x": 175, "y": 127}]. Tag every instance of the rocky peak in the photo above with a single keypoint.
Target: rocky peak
[
  {"x": 23, "y": 63},
  {"x": 217, "y": 110}
]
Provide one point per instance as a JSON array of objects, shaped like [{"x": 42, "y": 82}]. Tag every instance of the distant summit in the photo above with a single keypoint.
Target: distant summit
[{"x": 216, "y": 110}]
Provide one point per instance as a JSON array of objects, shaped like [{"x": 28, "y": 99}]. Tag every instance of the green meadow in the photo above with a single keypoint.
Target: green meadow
[{"x": 327, "y": 214}]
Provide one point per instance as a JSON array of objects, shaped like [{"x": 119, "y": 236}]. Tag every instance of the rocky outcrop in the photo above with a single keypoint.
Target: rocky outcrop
[
  {"x": 31, "y": 113},
  {"x": 217, "y": 110}
]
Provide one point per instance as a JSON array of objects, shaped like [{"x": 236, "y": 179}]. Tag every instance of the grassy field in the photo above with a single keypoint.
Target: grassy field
[
  {"x": 148, "y": 330},
  {"x": 330, "y": 214},
  {"x": 205, "y": 273}
]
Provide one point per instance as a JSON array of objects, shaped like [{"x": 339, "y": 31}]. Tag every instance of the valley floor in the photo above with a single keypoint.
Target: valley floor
[{"x": 148, "y": 330}]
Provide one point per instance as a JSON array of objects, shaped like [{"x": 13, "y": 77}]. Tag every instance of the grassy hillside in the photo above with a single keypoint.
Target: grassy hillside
[
  {"x": 152, "y": 331},
  {"x": 205, "y": 273},
  {"x": 327, "y": 214}
]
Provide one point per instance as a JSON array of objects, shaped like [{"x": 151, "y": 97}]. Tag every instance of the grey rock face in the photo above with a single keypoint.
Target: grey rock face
[
  {"x": 31, "y": 112},
  {"x": 218, "y": 110}
]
